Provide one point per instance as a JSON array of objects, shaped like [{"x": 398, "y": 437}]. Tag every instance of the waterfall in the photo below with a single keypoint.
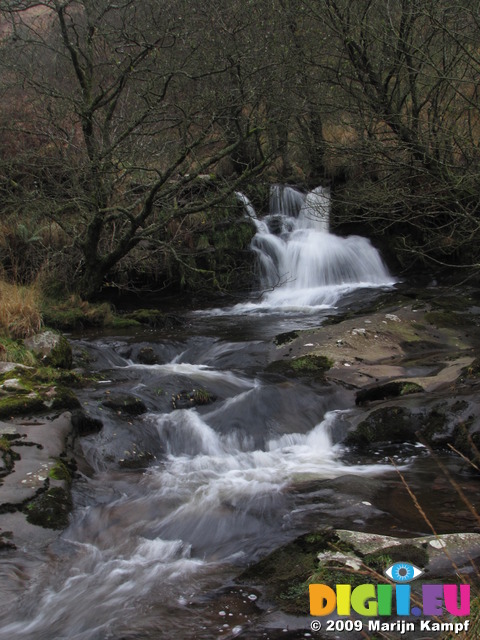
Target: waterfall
[{"x": 299, "y": 263}]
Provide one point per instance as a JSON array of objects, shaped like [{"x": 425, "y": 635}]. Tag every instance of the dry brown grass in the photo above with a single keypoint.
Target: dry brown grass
[{"x": 19, "y": 310}]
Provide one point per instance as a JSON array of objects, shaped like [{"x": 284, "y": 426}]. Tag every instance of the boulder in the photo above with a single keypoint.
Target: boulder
[
  {"x": 52, "y": 348},
  {"x": 125, "y": 403}
]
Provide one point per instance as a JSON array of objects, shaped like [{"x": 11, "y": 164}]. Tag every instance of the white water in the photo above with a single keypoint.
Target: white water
[
  {"x": 300, "y": 264},
  {"x": 229, "y": 482},
  {"x": 211, "y": 501}
]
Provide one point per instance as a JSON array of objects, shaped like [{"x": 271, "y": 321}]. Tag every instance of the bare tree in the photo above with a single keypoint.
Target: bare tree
[
  {"x": 127, "y": 118},
  {"x": 406, "y": 73}
]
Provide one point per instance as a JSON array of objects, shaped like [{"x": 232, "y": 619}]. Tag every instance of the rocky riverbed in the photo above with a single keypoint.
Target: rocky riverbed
[{"x": 407, "y": 367}]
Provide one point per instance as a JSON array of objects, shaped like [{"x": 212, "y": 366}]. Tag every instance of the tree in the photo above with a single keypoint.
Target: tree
[
  {"x": 405, "y": 71},
  {"x": 128, "y": 117}
]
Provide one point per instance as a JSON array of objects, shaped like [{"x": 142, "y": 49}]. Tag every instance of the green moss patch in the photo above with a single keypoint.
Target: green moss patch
[
  {"x": 20, "y": 405},
  {"x": 309, "y": 365},
  {"x": 60, "y": 471}
]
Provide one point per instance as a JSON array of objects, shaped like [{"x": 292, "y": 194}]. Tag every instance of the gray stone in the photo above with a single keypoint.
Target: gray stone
[{"x": 52, "y": 348}]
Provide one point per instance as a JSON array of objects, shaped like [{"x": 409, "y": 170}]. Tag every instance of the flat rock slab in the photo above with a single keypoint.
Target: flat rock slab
[
  {"x": 39, "y": 444},
  {"x": 380, "y": 346},
  {"x": 446, "y": 552}
]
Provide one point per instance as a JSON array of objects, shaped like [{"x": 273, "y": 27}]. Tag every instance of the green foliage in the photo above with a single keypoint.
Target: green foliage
[{"x": 15, "y": 351}]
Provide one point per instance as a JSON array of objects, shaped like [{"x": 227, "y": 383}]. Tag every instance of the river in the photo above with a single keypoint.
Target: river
[{"x": 171, "y": 505}]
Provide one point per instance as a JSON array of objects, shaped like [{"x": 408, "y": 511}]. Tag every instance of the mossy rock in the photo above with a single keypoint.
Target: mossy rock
[
  {"x": 50, "y": 509},
  {"x": 309, "y": 365},
  {"x": 51, "y": 348},
  {"x": 388, "y": 424},
  {"x": 393, "y": 389},
  {"x": 18, "y": 405},
  {"x": 285, "y": 338},
  {"x": 287, "y": 571},
  {"x": 61, "y": 398}
]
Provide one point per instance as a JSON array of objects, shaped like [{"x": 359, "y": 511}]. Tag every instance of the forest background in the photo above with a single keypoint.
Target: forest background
[{"x": 127, "y": 127}]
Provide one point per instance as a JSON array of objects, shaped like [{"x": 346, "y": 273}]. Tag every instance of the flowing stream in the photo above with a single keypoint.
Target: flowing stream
[{"x": 153, "y": 549}]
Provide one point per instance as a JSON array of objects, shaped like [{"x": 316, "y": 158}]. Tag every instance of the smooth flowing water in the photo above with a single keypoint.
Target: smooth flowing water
[{"x": 153, "y": 549}]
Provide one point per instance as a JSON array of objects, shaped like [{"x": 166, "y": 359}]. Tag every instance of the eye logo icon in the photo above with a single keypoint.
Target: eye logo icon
[{"x": 402, "y": 572}]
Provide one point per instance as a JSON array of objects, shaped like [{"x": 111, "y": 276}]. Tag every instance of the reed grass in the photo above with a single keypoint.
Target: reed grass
[{"x": 20, "y": 314}]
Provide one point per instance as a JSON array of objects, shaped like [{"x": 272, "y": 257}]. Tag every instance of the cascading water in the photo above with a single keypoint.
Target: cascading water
[
  {"x": 301, "y": 264},
  {"x": 149, "y": 550}
]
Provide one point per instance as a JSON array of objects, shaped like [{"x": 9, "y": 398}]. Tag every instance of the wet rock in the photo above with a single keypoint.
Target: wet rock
[
  {"x": 50, "y": 509},
  {"x": 125, "y": 403},
  {"x": 84, "y": 424},
  {"x": 193, "y": 398},
  {"x": 285, "y": 338},
  {"x": 285, "y": 571},
  {"x": 51, "y": 348},
  {"x": 147, "y": 355},
  {"x": 340, "y": 556},
  {"x": 388, "y": 424},
  {"x": 436, "y": 422},
  {"x": 392, "y": 389},
  {"x": 137, "y": 460}
]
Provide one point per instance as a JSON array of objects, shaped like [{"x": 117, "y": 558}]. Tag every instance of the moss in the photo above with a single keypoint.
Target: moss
[
  {"x": 151, "y": 317},
  {"x": 76, "y": 313},
  {"x": 50, "y": 509},
  {"x": 123, "y": 323},
  {"x": 20, "y": 405},
  {"x": 60, "y": 471},
  {"x": 303, "y": 366}
]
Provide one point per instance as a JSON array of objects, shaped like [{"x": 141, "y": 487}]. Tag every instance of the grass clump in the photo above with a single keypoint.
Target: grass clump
[
  {"x": 20, "y": 314},
  {"x": 15, "y": 351}
]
